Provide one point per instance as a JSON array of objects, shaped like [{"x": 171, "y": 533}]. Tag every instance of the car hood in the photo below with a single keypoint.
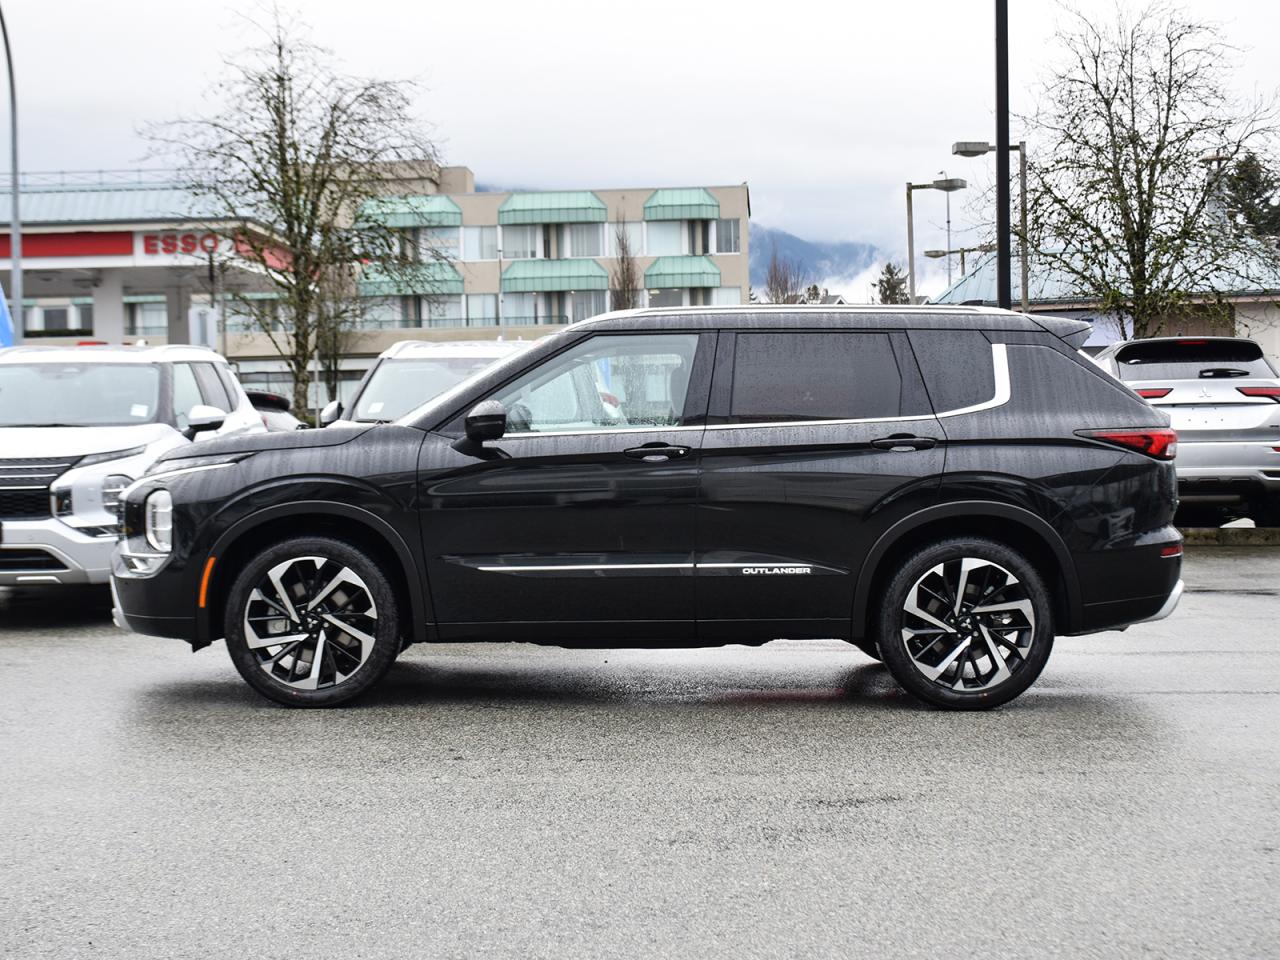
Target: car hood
[
  {"x": 21, "y": 442},
  {"x": 259, "y": 442}
]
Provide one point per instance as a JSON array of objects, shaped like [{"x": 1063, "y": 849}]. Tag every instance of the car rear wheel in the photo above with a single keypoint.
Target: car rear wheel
[
  {"x": 312, "y": 622},
  {"x": 966, "y": 624}
]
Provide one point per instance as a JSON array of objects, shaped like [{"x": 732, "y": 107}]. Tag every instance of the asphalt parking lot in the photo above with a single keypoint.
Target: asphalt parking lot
[{"x": 785, "y": 801}]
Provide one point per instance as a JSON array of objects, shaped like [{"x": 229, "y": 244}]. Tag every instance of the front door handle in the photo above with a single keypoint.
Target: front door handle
[
  {"x": 902, "y": 443},
  {"x": 656, "y": 453}
]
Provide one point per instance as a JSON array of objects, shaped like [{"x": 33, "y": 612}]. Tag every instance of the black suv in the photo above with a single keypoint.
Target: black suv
[{"x": 945, "y": 488}]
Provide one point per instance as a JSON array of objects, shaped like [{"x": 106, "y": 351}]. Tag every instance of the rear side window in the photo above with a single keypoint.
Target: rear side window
[
  {"x": 956, "y": 365},
  {"x": 1191, "y": 359},
  {"x": 814, "y": 376}
]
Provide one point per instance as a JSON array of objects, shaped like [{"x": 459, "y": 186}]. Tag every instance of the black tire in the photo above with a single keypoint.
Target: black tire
[
  {"x": 868, "y": 646},
  {"x": 1267, "y": 512},
  {"x": 993, "y": 576},
  {"x": 356, "y": 604}
]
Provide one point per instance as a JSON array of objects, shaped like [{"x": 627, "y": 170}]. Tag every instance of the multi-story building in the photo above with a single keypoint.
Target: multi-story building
[{"x": 126, "y": 256}]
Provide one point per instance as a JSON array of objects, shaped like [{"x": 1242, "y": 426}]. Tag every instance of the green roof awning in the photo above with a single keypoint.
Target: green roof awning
[
  {"x": 683, "y": 203},
  {"x": 682, "y": 272},
  {"x": 540, "y": 276},
  {"x": 419, "y": 211},
  {"x": 435, "y": 278},
  {"x": 565, "y": 206}
]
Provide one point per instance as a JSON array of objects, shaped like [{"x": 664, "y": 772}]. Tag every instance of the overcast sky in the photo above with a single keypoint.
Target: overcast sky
[{"x": 825, "y": 109}]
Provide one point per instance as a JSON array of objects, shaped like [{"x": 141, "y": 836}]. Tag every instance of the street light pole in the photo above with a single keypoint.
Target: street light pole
[
  {"x": 15, "y": 230},
  {"x": 1004, "y": 296},
  {"x": 911, "y": 250},
  {"x": 947, "y": 185},
  {"x": 1022, "y": 211}
]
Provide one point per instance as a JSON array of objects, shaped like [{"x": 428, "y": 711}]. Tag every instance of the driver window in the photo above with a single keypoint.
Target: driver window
[
  {"x": 186, "y": 394},
  {"x": 619, "y": 382}
]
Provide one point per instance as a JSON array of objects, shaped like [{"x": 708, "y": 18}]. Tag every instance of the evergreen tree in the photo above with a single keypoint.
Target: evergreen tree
[
  {"x": 1253, "y": 194},
  {"x": 891, "y": 286}
]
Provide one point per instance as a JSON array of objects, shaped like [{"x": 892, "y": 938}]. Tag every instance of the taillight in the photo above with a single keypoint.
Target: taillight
[
  {"x": 1271, "y": 392},
  {"x": 1171, "y": 551},
  {"x": 1154, "y": 393},
  {"x": 1158, "y": 442}
]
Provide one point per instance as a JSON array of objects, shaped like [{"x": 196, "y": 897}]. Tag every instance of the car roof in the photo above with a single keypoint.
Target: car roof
[
  {"x": 454, "y": 348},
  {"x": 110, "y": 353},
  {"x": 783, "y": 316}
]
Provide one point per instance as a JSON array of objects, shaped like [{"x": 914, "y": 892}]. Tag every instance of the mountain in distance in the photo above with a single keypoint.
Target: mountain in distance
[{"x": 845, "y": 268}]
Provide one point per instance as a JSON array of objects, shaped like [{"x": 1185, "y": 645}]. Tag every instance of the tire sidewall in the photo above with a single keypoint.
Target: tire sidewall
[
  {"x": 387, "y": 638},
  {"x": 893, "y": 649}
]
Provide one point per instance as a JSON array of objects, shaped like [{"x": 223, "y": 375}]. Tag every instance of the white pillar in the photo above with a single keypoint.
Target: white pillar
[
  {"x": 108, "y": 307},
  {"x": 177, "y": 301}
]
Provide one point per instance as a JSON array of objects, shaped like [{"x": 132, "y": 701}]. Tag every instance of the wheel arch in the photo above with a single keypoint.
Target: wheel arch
[
  {"x": 1018, "y": 528},
  {"x": 342, "y": 521}
]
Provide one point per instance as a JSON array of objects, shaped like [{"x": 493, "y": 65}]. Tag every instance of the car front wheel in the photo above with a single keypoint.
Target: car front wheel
[
  {"x": 312, "y": 622},
  {"x": 966, "y": 624}
]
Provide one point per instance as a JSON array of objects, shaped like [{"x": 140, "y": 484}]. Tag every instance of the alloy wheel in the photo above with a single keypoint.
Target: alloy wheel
[
  {"x": 968, "y": 624},
  {"x": 310, "y": 622}
]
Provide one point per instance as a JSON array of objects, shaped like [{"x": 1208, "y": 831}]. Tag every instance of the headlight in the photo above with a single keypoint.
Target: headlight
[
  {"x": 158, "y": 522},
  {"x": 111, "y": 489}
]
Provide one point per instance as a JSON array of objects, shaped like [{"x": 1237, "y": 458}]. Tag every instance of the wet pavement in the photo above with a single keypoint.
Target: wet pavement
[{"x": 785, "y": 801}]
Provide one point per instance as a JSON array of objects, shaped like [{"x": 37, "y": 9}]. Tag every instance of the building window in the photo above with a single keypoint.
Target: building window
[
  {"x": 519, "y": 309},
  {"x": 666, "y": 298},
  {"x": 726, "y": 296},
  {"x": 442, "y": 311},
  {"x": 479, "y": 243},
  {"x": 665, "y": 238},
  {"x": 152, "y": 319},
  {"x": 585, "y": 304},
  {"x": 521, "y": 242},
  {"x": 437, "y": 242},
  {"x": 482, "y": 309},
  {"x": 586, "y": 240},
  {"x": 634, "y": 233},
  {"x": 728, "y": 236},
  {"x": 382, "y": 313}
]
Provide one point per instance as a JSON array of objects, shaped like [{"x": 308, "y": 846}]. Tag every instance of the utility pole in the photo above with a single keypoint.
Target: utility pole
[
  {"x": 1004, "y": 296},
  {"x": 15, "y": 229},
  {"x": 911, "y": 251}
]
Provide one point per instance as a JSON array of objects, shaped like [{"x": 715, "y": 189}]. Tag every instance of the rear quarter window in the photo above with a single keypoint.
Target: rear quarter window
[{"x": 956, "y": 365}]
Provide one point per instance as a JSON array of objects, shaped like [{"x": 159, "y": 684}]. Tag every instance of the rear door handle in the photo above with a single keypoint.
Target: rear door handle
[
  {"x": 656, "y": 453},
  {"x": 904, "y": 443}
]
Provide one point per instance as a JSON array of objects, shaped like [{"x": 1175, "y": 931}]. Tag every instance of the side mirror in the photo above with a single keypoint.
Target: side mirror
[
  {"x": 486, "y": 421},
  {"x": 203, "y": 417},
  {"x": 331, "y": 412}
]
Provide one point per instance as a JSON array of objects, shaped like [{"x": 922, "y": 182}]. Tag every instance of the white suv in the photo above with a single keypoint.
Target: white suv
[{"x": 77, "y": 426}]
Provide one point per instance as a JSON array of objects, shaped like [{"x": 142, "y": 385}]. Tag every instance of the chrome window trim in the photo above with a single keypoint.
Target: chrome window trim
[{"x": 1003, "y": 393}]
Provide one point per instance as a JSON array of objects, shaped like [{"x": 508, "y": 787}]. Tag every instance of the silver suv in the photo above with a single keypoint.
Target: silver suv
[
  {"x": 1223, "y": 395},
  {"x": 77, "y": 426}
]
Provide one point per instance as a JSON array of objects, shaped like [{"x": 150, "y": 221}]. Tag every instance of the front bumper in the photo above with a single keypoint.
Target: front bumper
[{"x": 48, "y": 552}]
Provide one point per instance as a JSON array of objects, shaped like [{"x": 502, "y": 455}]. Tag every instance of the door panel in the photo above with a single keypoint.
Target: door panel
[
  {"x": 788, "y": 508},
  {"x": 567, "y": 527}
]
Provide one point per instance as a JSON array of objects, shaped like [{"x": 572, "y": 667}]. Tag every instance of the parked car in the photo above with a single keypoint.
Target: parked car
[
  {"x": 1223, "y": 398},
  {"x": 77, "y": 426},
  {"x": 947, "y": 488},
  {"x": 409, "y": 373},
  {"x": 276, "y": 411}
]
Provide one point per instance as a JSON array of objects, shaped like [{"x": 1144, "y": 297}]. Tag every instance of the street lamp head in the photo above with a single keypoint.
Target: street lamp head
[
  {"x": 970, "y": 148},
  {"x": 935, "y": 254},
  {"x": 950, "y": 184}
]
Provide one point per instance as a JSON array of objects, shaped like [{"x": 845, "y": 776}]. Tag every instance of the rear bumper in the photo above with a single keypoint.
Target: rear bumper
[
  {"x": 1227, "y": 470},
  {"x": 48, "y": 552},
  {"x": 1169, "y": 605},
  {"x": 1130, "y": 584}
]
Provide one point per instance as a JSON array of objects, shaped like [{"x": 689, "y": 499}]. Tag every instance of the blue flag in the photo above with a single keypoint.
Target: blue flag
[{"x": 6, "y": 322}]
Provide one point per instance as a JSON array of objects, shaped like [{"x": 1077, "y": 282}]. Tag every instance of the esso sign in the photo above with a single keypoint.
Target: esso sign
[{"x": 159, "y": 244}]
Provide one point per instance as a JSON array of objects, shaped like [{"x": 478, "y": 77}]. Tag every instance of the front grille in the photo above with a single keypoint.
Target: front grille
[
  {"x": 24, "y": 485},
  {"x": 20, "y": 561}
]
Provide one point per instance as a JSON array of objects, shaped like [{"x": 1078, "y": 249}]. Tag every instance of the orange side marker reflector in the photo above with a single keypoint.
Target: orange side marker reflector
[{"x": 204, "y": 581}]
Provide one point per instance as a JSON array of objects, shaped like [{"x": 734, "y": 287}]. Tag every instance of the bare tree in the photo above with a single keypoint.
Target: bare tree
[
  {"x": 625, "y": 281},
  {"x": 1124, "y": 201},
  {"x": 784, "y": 281},
  {"x": 283, "y": 167}
]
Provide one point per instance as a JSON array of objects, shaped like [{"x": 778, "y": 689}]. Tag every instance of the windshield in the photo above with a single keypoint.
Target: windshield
[
  {"x": 398, "y": 386},
  {"x": 78, "y": 394},
  {"x": 1192, "y": 359}
]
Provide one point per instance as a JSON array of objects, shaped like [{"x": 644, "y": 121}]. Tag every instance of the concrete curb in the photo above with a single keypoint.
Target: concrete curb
[{"x": 1231, "y": 537}]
